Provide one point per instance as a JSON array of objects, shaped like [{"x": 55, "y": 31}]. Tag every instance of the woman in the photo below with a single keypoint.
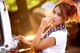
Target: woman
[{"x": 55, "y": 38}]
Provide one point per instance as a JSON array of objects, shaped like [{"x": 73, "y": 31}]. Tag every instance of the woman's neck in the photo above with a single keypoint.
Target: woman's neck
[{"x": 54, "y": 26}]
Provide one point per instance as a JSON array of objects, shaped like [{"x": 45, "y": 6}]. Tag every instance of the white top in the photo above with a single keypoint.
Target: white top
[{"x": 61, "y": 39}]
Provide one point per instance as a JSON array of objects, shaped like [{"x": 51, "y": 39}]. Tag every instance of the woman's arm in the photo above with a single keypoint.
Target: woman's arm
[
  {"x": 37, "y": 40},
  {"x": 22, "y": 39},
  {"x": 39, "y": 44},
  {"x": 46, "y": 43}
]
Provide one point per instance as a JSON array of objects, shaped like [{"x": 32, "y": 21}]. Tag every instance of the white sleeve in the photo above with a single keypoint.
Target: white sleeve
[{"x": 59, "y": 36}]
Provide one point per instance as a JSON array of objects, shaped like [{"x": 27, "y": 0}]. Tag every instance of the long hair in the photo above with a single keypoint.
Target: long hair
[{"x": 67, "y": 10}]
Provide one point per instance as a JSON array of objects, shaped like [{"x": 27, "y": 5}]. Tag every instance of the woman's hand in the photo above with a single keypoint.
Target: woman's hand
[
  {"x": 22, "y": 38},
  {"x": 45, "y": 22}
]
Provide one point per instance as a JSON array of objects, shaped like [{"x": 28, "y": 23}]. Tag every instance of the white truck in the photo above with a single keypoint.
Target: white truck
[{"x": 7, "y": 42}]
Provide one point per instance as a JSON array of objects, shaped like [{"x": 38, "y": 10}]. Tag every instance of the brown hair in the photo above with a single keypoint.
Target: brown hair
[{"x": 67, "y": 10}]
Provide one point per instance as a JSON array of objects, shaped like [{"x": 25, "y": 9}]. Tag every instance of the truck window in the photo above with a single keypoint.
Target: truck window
[{"x": 1, "y": 32}]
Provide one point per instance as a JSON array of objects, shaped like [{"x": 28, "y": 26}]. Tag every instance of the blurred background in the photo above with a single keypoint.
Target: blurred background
[
  {"x": 25, "y": 16},
  {"x": 25, "y": 19}
]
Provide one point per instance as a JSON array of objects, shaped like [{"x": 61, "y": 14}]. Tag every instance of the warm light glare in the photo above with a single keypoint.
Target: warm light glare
[{"x": 29, "y": 37}]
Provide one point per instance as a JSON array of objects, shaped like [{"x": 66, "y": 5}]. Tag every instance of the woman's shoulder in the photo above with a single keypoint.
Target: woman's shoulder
[{"x": 59, "y": 32}]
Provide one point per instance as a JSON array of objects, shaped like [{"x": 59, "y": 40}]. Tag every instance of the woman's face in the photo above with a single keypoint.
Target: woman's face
[{"x": 57, "y": 16}]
